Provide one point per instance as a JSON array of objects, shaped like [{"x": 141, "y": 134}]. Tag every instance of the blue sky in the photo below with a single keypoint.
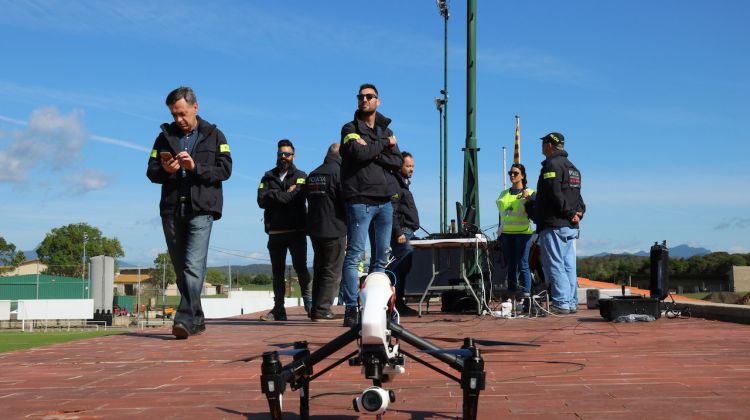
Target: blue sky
[{"x": 651, "y": 96}]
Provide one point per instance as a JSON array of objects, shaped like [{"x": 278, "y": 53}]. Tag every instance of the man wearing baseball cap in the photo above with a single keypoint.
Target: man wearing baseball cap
[{"x": 559, "y": 210}]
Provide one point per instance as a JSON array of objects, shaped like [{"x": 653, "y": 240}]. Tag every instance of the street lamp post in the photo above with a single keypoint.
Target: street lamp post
[
  {"x": 83, "y": 267},
  {"x": 443, "y": 108}
]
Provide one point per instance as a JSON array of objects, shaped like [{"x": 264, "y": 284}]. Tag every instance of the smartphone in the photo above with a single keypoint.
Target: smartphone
[{"x": 166, "y": 156}]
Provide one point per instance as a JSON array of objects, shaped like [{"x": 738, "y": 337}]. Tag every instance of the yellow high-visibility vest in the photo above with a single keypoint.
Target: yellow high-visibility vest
[{"x": 513, "y": 217}]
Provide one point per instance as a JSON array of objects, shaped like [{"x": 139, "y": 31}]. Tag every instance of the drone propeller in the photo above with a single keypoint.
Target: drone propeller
[
  {"x": 288, "y": 352},
  {"x": 482, "y": 342},
  {"x": 465, "y": 352},
  {"x": 456, "y": 352}
]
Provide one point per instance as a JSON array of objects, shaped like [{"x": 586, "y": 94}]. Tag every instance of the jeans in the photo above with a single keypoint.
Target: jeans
[
  {"x": 187, "y": 241},
  {"x": 402, "y": 264},
  {"x": 516, "y": 252},
  {"x": 327, "y": 263},
  {"x": 558, "y": 254},
  {"x": 358, "y": 218},
  {"x": 296, "y": 243}
]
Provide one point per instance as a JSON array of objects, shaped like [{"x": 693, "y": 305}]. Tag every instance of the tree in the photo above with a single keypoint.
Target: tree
[
  {"x": 9, "y": 257},
  {"x": 216, "y": 276},
  {"x": 163, "y": 271},
  {"x": 62, "y": 248}
]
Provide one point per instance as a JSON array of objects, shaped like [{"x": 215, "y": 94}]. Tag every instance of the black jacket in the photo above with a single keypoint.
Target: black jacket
[
  {"x": 213, "y": 164},
  {"x": 283, "y": 210},
  {"x": 326, "y": 211},
  {"x": 404, "y": 209},
  {"x": 558, "y": 194},
  {"x": 367, "y": 171}
]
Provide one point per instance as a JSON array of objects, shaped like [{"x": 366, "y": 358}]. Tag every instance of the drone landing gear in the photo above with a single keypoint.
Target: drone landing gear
[{"x": 299, "y": 373}]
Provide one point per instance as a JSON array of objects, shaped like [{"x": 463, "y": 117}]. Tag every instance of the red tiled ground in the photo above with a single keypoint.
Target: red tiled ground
[{"x": 585, "y": 368}]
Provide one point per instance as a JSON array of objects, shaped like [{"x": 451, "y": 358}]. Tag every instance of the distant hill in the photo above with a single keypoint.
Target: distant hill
[
  {"x": 679, "y": 251},
  {"x": 685, "y": 251},
  {"x": 249, "y": 269}
]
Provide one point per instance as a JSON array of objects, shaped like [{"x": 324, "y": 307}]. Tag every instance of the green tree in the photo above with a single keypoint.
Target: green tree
[
  {"x": 262, "y": 279},
  {"x": 163, "y": 271},
  {"x": 216, "y": 276},
  {"x": 62, "y": 248},
  {"x": 9, "y": 257}
]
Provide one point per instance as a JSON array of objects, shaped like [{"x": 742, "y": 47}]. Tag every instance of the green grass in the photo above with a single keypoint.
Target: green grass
[{"x": 10, "y": 341}]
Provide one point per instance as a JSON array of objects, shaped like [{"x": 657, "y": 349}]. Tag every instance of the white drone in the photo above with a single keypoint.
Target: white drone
[{"x": 378, "y": 355}]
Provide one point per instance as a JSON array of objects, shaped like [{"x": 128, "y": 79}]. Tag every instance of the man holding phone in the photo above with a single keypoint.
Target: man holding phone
[{"x": 190, "y": 159}]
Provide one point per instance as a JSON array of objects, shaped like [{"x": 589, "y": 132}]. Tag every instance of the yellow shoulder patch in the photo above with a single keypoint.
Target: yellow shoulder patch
[
  {"x": 300, "y": 181},
  {"x": 153, "y": 153},
  {"x": 260, "y": 187},
  {"x": 352, "y": 136},
  {"x": 224, "y": 148},
  {"x": 548, "y": 175}
]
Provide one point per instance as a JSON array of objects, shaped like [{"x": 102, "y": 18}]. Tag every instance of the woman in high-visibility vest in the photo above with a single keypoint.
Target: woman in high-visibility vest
[{"x": 515, "y": 229}]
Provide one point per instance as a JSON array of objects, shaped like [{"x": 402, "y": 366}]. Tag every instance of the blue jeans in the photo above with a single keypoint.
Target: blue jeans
[
  {"x": 558, "y": 254},
  {"x": 402, "y": 264},
  {"x": 516, "y": 252},
  {"x": 187, "y": 242},
  {"x": 358, "y": 218}
]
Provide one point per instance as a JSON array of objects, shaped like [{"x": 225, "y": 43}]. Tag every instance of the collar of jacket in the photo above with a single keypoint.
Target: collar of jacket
[
  {"x": 380, "y": 120},
  {"x": 555, "y": 154},
  {"x": 276, "y": 174},
  {"x": 403, "y": 181},
  {"x": 173, "y": 133},
  {"x": 329, "y": 159}
]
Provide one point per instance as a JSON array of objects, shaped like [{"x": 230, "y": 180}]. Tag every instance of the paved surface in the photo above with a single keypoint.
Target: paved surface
[{"x": 585, "y": 368}]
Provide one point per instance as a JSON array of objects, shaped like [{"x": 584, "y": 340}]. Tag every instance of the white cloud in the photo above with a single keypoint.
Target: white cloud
[
  {"x": 49, "y": 139},
  {"x": 88, "y": 180},
  {"x": 734, "y": 223}
]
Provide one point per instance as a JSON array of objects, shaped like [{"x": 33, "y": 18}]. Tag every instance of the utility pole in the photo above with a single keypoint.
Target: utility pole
[
  {"x": 164, "y": 280},
  {"x": 229, "y": 267},
  {"x": 443, "y": 7},
  {"x": 471, "y": 171}
]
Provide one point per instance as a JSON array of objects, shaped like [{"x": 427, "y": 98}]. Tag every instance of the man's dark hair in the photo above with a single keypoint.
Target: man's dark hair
[
  {"x": 285, "y": 143},
  {"x": 182, "y": 92},
  {"x": 368, "y": 86},
  {"x": 406, "y": 154}
]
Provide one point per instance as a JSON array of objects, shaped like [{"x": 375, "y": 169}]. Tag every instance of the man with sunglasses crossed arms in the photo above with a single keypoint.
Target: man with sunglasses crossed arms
[
  {"x": 369, "y": 159},
  {"x": 281, "y": 195}
]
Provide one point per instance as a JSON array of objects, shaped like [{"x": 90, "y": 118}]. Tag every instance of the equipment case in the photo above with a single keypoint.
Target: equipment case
[{"x": 618, "y": 306}]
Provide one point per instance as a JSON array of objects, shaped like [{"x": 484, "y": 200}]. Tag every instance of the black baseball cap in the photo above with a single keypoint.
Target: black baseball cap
[{"x": 554, "y": 138}]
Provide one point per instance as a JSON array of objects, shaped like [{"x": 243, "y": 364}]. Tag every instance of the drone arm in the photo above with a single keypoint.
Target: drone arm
[{"x": 420, "y": 343}]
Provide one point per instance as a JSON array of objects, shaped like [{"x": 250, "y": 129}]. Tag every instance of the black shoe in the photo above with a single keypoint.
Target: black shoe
[
  {"x": 350, "y": 317},
  {"x": 180, "y": 331},
  {"x": 274, "y": 316},
  {"x": 198, "y": 329},
  {"x": 324, "y": 318},
  {"x": 404, "y": 310}
]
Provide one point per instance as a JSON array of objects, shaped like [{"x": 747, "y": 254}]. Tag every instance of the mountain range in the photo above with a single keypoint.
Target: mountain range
[{"x": 679, "y": 251}]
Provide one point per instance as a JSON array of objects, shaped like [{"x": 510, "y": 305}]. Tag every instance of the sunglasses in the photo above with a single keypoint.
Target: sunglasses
[
  {"x": 513, "y": 173},
  {"x": 368, "y": 96},
  {"x": 284, "y": 154}
]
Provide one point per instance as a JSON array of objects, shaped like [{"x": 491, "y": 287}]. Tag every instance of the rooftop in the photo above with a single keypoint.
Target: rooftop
[{"x": 585, "y": 367}]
